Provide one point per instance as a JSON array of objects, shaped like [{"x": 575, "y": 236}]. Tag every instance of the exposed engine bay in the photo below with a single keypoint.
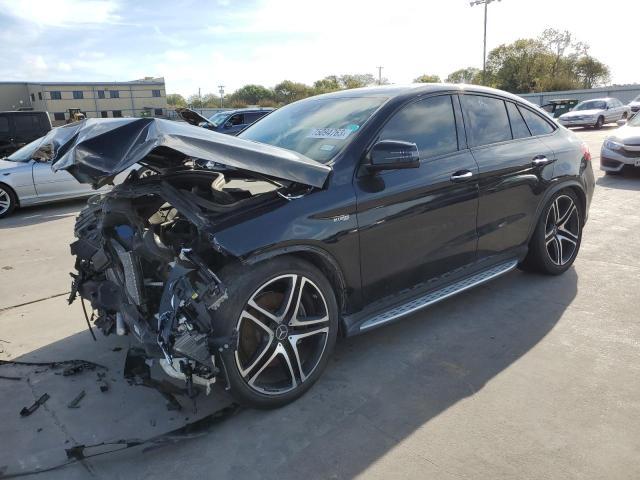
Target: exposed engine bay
[{"x": 146, "y": 258}]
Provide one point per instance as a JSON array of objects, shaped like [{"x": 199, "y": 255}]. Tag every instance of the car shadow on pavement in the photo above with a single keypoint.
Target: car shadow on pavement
[
  {"x": 37, "y": 214},
  {"x": 627, "y": 179},
  {"x": 379, "y": 389},
  {"x": 608, "y": 126}
]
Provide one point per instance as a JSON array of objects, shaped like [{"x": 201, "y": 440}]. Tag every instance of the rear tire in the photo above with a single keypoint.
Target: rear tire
[
  {"x": 8, "y": 200},
  {"x": 556, "y": 240},
  {"x": 284, "y": 315}
]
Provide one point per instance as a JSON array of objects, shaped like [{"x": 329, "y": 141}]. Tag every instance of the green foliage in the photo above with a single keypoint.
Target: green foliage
[
  {"x": 288, "y": 91},
  {"x": 470, "y": 75},
  {"x": 176, "y": 100},
  {"x": 250, "y": 95},
  {"x": 427, "y": 79}
]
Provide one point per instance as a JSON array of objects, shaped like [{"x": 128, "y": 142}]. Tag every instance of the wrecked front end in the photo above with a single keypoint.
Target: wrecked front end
[{"x": 146, "y": 261}]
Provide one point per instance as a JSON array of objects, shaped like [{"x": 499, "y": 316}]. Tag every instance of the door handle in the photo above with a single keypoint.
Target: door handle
[
  {"x": 461, "y": 176},
  {"x": 540, "y": 161}
]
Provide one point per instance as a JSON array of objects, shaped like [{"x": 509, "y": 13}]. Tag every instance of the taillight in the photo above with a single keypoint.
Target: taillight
[{"x": 586, "y": 153}]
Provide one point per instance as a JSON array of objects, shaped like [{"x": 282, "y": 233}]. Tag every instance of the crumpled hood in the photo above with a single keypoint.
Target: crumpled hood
[
  {"x": 580, "y": 113},
  {"x": 190, "y": 116},
  {"x": 95, "y": 150}
]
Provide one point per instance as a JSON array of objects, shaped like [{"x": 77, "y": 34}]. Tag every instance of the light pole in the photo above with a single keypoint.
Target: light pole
[
  {"x": 221, "y": 90},
  {"x": 379, "y": 75},
  {"x": 484, "y": 49}
]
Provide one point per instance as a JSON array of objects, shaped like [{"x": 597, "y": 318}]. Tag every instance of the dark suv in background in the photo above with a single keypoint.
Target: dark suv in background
[
  {"x": 230, "y": 122},
  {"x": 21, "y": 127}
]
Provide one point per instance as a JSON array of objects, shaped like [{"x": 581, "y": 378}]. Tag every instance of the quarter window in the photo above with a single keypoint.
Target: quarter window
[
  {"x": 78, "y": 95},
  {"x": 55, "y": 95},
  {"x": 537, "y": 124},
  {"x": 428, "y": 123},
  {"x": 486, "y": 119},
  {"x": 518, "y": 127},
  {"x": 58, "y": 116}
]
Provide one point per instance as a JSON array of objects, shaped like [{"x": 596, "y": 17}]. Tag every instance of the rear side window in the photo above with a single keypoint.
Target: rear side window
[
  {"x": 518, "y": 127},
  {"x": 429, "y": 123},
  {"x": 27, "y": 123},
  {"x": 252, "y": 117},
  {"x": 486, "y": 119},
  {"x": 237, "y": 119},
  {"x": 4, "y": 125},
  {"x": 537, "y": 124}
]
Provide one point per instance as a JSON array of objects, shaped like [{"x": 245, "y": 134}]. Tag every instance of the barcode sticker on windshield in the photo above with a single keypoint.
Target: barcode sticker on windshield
[{"x": 337, "y": 133}]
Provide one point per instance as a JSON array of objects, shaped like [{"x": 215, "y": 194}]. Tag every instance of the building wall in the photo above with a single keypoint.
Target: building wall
[
  {"x": 624, "y": 93},
  {"x": 134, "y": 98}
]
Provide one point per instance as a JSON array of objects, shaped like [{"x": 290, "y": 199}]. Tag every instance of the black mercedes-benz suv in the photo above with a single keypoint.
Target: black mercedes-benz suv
[{"x": 331, "y": 216}]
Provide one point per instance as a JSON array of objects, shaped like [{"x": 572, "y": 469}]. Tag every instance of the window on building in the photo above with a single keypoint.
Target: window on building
[
  {"x": 428, "y": 123},
  {"x": 39, "y": 95},
  {"x": 58, "y": 116},
  {"x": 114, "y": 94},
  {"x": 155, "y": 93},
  {"x": 537, "y": 124},
  {"x": 117, "y": 113},
  {"x": 78, "y": 95},
  {"x": 100, "y": 93},
  {"x": 487, "y": 118},
  {"x": 33, "y": 97},
  {"x": 157, "y": 112},
  {"x": 104, "y": 114},
  {"x": 55, "y": 95}
]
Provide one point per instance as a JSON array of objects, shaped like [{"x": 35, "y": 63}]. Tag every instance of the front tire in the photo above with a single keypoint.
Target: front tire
[
  {"x": 599, "y": 123},
  {"x": 8, "y": 201},
  {"x": 556, "y": 240},
  {"x": 284, "y": 315}
]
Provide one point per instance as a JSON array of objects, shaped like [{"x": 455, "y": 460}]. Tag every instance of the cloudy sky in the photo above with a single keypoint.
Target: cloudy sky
[{"x": 207, "y": 43}]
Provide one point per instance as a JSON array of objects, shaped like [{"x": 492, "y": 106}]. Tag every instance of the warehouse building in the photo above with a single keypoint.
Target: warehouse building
[{"x": 138, "y": 98}]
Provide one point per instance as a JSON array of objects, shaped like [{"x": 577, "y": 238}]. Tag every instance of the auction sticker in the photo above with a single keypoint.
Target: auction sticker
[{"x": 337, "y": 133}]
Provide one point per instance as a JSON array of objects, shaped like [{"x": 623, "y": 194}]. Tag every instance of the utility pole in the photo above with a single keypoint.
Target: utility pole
[
  {"x": 379, "y": 75},
  {"x": 199, "y": 97},
  {"x": 221, "y": 90},
  {"x": 484, "y": 48}
]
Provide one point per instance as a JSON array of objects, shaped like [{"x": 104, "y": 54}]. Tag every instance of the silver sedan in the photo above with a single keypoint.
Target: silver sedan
[
  {"x": 622, "y": 147},
  {"x": 24, "y": 181},
  {"x": 595, "y": 113}
]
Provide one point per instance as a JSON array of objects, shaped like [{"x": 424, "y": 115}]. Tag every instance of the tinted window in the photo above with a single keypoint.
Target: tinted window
[
  {"x": 252, "y": 117},
  {"x": 155, "y": 93},
  {"x": 428, "y": 123},
  {"x": 486, "y": 119},
  {"x": 26, "y": 123},
  {"x": 117, "y": 113},
  {"x": 157, "y": 111},
  {"x": 4, "y": 125},
  {"x": 55, "y": 95},
  {"x": 537, "y": 124},
  {"x": 104, "y": 114},
  {"x": 58, "y": 116},
  {"x": 100, "y": 93},
  {"x": 237, "y": 119},
  {"x": 114, "y": 94},
  {"x": 518, "y": 127}
]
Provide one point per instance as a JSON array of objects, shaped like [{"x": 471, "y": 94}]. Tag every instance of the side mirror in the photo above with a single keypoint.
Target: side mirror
[{"x": 393, "y": 155}]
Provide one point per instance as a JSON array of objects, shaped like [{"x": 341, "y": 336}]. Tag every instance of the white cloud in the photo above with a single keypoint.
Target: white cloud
[
  {"x": 64, "y": 67},
  {"x": 61, "y": 13}
]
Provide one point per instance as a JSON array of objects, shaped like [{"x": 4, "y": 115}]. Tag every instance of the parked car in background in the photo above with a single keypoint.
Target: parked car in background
[
  {"x": 622, "y": 147},
  {"x": 21, "y": 127},
  {"x": 595, "y": 113},
  {"x": 557, "y": 107},
  {"x": 634, "y": 104},
  {"x": 230, "y": 122},
  {"x": 376, "y": 202}
]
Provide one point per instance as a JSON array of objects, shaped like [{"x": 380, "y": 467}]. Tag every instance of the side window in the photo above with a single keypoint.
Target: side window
[
  {"x": 4, "y": 125},
  {"x": 26, "y": 123},
  {"x": 537, "y": 124},
  {"x": 78, "y": 95},
  {"x": 249, "y": 118},
  {"x": 518, "y": 127},
  {"x": 55, "y": 95},
  {"x": 486, "y": 119},
  {"x": 237, "y": 119},
  {"x": 428, "y": 123}
]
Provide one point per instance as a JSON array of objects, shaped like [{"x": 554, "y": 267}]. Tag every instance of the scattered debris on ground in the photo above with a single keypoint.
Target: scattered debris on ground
[
  {"x": 26, "y": 411},
  {"x": 75, "y": 402}
]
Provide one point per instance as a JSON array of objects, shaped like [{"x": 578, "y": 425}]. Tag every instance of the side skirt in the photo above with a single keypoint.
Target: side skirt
[{"x": 395, "y": 312}]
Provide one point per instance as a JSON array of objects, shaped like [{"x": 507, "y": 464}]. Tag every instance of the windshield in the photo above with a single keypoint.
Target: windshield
[
  {"x": 218, "y": 119},
  {"x": 25, "y": 153},
  {"x": 591, "y": 105},
  {"x": 317, "y": 128},
  {"x": 635, "y": 121}
]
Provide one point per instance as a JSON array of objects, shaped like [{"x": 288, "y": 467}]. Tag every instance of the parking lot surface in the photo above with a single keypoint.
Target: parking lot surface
[{"x": 527, "y": 377}]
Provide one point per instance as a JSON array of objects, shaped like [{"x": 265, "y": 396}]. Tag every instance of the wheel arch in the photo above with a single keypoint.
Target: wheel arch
[{"x": 13, "y": 191}]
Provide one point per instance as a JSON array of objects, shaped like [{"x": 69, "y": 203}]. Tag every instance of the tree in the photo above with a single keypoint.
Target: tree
[
  {"x": 327, "y": 84},
  {"x": 288, "y": 91},
  {"x": 427, "y": 79},
  {"x": 250, "y": 95},
  {"x": 591, "y": 72},
  {"x": 357, "y": 80},
  {"x": 210, "y": 100},
  {"x": 176, "y": 100},
  {"x": 195, "y": 101},
  {"x": 466, "y": 75}
]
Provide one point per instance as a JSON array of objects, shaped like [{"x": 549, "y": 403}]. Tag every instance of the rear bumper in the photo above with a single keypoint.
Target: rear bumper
[{"x": 577, "y": 123}]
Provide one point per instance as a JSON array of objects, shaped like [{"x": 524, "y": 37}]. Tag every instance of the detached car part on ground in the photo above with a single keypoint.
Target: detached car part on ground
[{"x": 246, "y": 271}]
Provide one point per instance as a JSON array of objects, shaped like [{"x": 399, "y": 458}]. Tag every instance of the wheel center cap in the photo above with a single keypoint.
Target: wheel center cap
[
  {"x": 555, "y": 229},
  {"x": 282, "y": 332}
]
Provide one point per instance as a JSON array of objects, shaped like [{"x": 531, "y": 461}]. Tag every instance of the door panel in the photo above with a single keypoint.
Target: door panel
[
  {"x": 61, "y": 184},
  {"x": 415, "y": 224}
]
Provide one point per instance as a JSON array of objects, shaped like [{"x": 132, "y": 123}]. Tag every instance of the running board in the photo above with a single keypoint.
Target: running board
[{"x": 438, "y": 295}]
